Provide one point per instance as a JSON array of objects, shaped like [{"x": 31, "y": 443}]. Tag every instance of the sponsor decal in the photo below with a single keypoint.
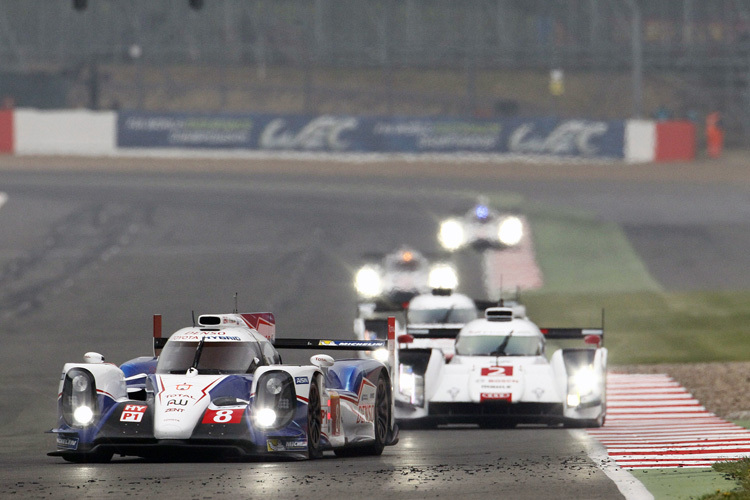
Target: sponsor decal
[
  {"x": 223, "y": 416},
  {"x": 572, "y": 137},
  {"x": 366, "y": 413},
  {"x": 178, "y": 402},
  {"x": 490, "y": 371},
  {"x": 453, "y": 391},
  {"x": 301, "y": 380},
  {"x": 183, "y": 387},
  {"x": 494, "y": 396},
  {"x": 274, "y": 444},
  {"x": 67, "y": 443},
  {"x": 133, "y": 413}
]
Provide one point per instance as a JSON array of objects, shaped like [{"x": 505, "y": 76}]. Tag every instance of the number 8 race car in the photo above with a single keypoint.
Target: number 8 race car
[{"x": 219, "y": 390}]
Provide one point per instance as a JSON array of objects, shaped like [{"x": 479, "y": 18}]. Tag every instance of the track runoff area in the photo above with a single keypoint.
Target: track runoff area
[{"x": 652, "y": 421}]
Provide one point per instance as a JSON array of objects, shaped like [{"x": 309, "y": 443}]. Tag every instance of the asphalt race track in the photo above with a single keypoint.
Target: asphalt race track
[{"x": 89, "y": 250}]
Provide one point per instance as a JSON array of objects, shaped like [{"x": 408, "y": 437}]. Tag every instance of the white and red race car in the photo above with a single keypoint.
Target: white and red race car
[
  {"x": 431, "y": 319},
  {"x": 500, "y": 376}
]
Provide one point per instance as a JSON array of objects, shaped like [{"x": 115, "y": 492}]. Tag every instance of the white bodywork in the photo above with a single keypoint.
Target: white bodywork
[{"x": 568, "y": 387}]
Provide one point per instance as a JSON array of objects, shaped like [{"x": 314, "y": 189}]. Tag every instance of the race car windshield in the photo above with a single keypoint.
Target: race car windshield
[
  {"x": 216, "y": 358},
  {"x": 438, "y": 316},
  {"x": 498, "y": 345}
]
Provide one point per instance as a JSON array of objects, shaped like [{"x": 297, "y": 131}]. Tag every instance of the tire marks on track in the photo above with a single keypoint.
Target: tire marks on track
[
  {"x": 86, "y": 237},
  {"x": 654, "y": 422}
]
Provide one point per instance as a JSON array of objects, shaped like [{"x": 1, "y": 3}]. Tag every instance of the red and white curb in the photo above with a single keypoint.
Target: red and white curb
[{"x": 654, "y": 422}]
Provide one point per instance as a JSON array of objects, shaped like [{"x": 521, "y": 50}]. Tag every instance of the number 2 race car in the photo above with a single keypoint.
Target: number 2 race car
[
  {"x": 219, "y": 390},
  {"x": 500, "y": 376}
]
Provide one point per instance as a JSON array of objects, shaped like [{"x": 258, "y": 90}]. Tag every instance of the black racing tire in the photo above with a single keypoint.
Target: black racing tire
[
  {"x": 382, "y": 424},
  {"x": 314, "y": 420},
  {"x": 382, "y": 416}
]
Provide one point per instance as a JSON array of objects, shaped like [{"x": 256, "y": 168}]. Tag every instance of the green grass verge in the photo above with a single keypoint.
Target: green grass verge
[
  {"x": 589, "y": 265},
  {"x": 684, "y": 484}
]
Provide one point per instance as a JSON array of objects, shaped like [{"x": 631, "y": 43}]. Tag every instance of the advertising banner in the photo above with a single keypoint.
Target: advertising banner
[{"x": 352, "y": 134}]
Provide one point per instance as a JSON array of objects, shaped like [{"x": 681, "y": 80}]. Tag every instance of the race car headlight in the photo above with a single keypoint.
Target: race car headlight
[
  {"x": 274, "y": 385},
  {"x": 411, "y": 385},
  {"x": 275, "y": 400},
  {"x": 83, "y": 415},
  {"x": 265, "y": 417},
  {"x": 381, "y": 355},
  {"x": 443, "y": 276},
  {"x": 510, "y": 231},
  {"x": 368, "y": 282},
  {"x": 582, "y": 386},
  {"x": 79, "y": 403},
  {"x": 451, "y": 234}
]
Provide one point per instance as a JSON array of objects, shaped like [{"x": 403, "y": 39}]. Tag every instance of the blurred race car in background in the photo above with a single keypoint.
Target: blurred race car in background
[
  {"x": 481, "y": 228},
  {"x": 218, "y": 389},
  {"x": 500, "y": 376},
  {"x": 402, "y": 274},
  {"x": 430, "y": 319}
]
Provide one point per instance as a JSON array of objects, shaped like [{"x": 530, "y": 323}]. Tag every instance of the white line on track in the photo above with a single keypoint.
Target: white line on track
[{"x": 629, "y": 486}]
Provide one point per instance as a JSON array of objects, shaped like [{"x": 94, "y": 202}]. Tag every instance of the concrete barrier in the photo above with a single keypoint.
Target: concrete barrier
[{"x": 65, "y": 132}]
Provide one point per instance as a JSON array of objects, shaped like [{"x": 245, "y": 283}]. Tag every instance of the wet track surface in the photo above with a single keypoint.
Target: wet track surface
[{"x": 87, "y": 257}]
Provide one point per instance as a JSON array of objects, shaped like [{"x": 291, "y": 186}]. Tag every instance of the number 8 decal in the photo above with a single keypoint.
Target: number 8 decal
[
  {"x": 223, "y": 416},
  {"x": 233, "y": 416}
]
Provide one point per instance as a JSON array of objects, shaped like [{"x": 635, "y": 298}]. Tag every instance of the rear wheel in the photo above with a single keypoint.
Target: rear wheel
[
  {"x": 314, "y": 420},
  {"x": 382, "y": 417},
  {"x": 381, "y": 424}
]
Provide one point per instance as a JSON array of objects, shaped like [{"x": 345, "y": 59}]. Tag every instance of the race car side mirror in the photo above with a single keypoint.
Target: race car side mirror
[
  {"x": 592, "y": 339},
  {"x": 405, "y": 339},
  {"x": 322, "y": 360}
]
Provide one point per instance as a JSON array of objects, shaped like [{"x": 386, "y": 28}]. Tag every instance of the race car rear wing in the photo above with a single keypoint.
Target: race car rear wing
[
  {"x": 346, "y": 345},
  {"x": 572, "y": 333}
]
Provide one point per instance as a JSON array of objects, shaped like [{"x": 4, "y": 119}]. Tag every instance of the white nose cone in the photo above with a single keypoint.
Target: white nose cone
[{"x": 180, "y": 404}]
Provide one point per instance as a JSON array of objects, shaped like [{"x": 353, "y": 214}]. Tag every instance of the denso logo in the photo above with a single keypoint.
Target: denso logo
[
  {"x": 570, "y": 137},
  {"x": 321, "y": 133}
]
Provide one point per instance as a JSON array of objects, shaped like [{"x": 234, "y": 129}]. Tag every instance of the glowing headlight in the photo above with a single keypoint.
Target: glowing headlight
[
  {"x": 265, "y": 417},
  {"x": 367, "y": 282},
  {"x": 584, "y": 381},
  {"x": 411, "y": 385},
  {"x": 451, "y": 234},
  {"x": 83, "y": 415},
  {"x": 574, "y": 400},
  {"x": 381, "y": 355},
  {"x": 510, "y": 231},
  {"x": 274, "y": 385},
  {"x": 443, "y": 276}
]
